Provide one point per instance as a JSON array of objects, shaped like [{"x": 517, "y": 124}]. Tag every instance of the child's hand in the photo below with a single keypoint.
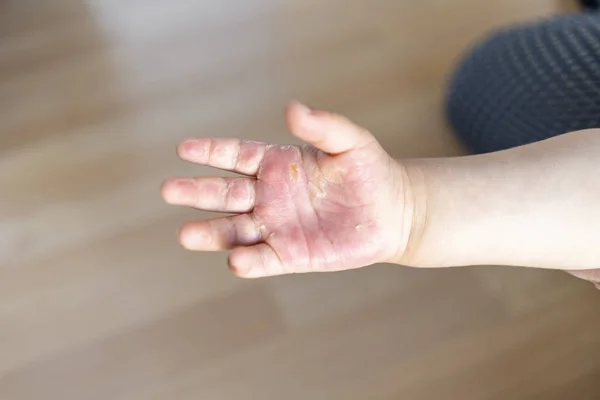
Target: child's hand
[{"x": 341, "y": 204}]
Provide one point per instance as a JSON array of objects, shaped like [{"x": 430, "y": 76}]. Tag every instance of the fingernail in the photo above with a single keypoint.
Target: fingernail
[
  {"x": 309, "y": 111},
  {"x": 306, "y": 119},
  {"x": 301, "y": 107}
]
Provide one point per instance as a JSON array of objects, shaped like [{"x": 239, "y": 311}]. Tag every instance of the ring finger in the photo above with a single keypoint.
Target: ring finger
[
  {"x": 232, "y": 195},
  {"x": 220, "y": 233}
]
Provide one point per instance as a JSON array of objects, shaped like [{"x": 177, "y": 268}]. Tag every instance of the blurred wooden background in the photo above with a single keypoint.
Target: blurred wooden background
[{"x": 97, "y": 299}]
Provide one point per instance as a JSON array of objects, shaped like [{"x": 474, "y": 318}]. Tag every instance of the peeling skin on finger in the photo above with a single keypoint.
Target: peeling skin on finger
[
  {"x": 294, "y": 172},
  {"x": 263, "y": 231},
  {"x": 316, "y": 191}
]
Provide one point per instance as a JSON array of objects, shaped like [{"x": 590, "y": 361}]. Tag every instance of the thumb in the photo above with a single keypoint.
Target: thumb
[{"x": 332, "y": 133}]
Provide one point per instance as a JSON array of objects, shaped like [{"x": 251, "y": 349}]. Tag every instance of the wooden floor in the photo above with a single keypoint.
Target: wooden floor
[{"x": 97, "y": 299}]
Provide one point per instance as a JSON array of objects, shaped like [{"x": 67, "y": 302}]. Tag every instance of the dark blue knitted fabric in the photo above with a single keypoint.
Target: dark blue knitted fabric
[{"x": 528, "y": 83}]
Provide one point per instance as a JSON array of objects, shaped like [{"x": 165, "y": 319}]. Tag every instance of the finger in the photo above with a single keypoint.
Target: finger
[
  {"x": 220, "y": 233},
  {"x": 256, "y": 262},
  {"x": 332, "y": 133},
  {"x": 241, "y": 156},
  {"x": 235, "y": 195}
]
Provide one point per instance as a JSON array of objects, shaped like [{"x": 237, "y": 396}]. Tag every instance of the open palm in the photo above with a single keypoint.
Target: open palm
[{"x": 339, "y": 203}]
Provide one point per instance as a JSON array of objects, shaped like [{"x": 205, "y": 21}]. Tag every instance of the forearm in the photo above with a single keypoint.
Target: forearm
[{"x": 536, "y": 206}]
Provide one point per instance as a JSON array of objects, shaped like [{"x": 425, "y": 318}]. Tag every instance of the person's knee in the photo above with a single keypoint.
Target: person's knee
[
  {"x": 477, "y": 88},
  {"x": 527, "y": 83}
]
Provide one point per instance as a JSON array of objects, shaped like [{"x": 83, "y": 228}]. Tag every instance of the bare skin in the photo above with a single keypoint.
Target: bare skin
[
  {"x": 342, "y": 202},
  {"x": 338, "y": 203}
]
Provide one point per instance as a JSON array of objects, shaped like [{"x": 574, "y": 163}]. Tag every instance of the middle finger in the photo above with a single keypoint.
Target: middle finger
[{"x": 234, "y": 195}]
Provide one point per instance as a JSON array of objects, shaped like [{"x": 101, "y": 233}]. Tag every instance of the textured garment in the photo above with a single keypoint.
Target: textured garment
[{"x": 528, "y": 83}]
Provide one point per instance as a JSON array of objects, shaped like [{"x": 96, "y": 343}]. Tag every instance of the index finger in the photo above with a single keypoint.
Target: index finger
[{"x": 236, "y": 155}]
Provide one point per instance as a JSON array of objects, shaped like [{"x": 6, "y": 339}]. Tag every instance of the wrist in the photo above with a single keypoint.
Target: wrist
[
  {"x": 521, "y": 207},
  {"x": 411, "y": 193},
  {"x": 435, "y": 224}
]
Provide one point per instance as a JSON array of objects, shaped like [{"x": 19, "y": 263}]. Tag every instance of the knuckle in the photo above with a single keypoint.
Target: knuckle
[{"x": 240, "y": 193}]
